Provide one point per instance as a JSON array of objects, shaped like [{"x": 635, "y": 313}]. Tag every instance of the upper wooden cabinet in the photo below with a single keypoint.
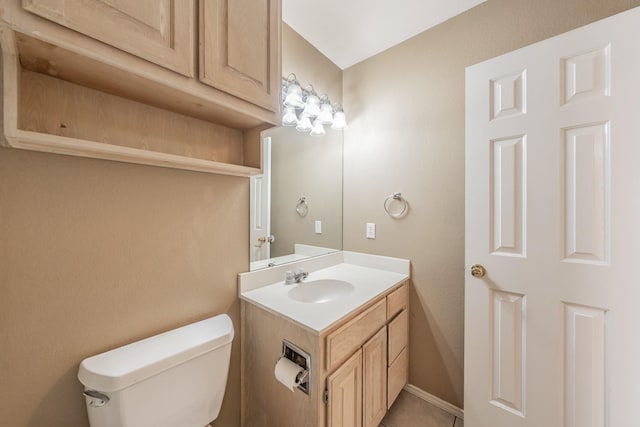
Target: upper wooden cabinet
[
  {"x": 240, "y": 49},
  {"x": 160, "y": 31},
  {"x": 142, "y": 55}
]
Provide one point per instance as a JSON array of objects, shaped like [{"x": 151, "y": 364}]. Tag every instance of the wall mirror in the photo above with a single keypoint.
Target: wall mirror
[{"x": 296, "y": 205}]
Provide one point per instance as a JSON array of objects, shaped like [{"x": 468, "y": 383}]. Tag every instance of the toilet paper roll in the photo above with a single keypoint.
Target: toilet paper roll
[{"x": 286, "y": 372}]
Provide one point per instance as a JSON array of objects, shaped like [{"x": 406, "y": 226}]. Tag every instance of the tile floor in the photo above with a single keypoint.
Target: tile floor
[{"x": 411, "y": 411}]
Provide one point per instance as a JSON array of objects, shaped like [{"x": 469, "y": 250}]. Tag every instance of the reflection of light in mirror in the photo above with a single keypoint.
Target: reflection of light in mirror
[
  {"x": 293, "y": 93},
  {"x": 339, "y": 120},
  {"x": 317, "y": 129},
  {"x": 289, "y": 117},
  {"x": 326, "y": 111},
  {"x": 304, "y": 124}
]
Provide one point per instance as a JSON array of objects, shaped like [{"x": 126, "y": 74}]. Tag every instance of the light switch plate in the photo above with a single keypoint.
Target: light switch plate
[
  {"x": 371, "y": 230},
  {"x": 318, "y": 227}
]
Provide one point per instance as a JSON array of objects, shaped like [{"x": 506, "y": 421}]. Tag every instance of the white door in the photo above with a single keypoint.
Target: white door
[
  {"x": 260, "y": 207},
  {"x": 553, "y": 215}
]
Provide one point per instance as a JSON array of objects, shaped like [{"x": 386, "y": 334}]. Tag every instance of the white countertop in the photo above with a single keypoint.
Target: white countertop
[{"x": 370, "y": 275}]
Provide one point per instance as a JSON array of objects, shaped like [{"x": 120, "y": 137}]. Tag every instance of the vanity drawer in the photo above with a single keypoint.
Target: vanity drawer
[
  {"x": 397, "y": 376},
  {"x": 398, "y": 335},
  {"x": 342, "y": 342},
  {"x": 397, "y": 300}
]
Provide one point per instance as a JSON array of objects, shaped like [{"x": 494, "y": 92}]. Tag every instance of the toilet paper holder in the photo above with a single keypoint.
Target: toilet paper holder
[{"x": 302, "y": 359}]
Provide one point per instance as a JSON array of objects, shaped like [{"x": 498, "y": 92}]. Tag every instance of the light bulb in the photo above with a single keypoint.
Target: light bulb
[
  {"x": 289, "y": 117},
  {"x": 294, "y": 96},
  {"x": 326, "y": 114},
  {"x": 339, "y": 120},
  {"x": 317, "y": 129},
  {"x": 312, "y": 105},
  {"x": 304, "y": 124}
]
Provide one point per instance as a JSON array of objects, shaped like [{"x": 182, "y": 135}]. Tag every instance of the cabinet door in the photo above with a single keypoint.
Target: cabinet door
[
  {"x": 374, "y": 381},
  {"x": 344, "y": 407},
  {"x": 160, "y": 31},
  {"x": 240, "y": 49}
]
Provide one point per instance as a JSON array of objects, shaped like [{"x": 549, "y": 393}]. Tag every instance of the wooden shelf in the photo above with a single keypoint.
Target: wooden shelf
[{"x": 59, "y": 101}]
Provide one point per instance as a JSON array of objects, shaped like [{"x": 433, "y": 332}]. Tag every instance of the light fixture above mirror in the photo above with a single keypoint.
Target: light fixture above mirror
[{"x": 307, "y": 111}]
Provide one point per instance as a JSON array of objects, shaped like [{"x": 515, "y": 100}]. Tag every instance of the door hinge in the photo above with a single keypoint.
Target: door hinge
[{"x": 325, "y": 396}]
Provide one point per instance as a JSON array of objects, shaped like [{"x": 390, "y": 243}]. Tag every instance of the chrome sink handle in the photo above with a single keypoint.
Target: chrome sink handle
[{"x": 291, "y": 277}]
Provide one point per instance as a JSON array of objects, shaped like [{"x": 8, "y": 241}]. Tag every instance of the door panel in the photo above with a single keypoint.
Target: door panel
[
  {"x": 508, "y": 325},
  {"x": 585, "y": 368},
  {"x": 374, "y": 383},
  {"x": 260, "y": 208},
  {"x": 587, "y": 193},
  {"x": 508, "y": 195},
  {"x": 240, "y": 49},
  {"x": 162, "y": 32},
  {"x": 553, "y": 215},
  {"x": 344, "y": 408}
]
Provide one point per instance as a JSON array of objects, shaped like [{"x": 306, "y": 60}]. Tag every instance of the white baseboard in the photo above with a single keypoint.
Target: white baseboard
[{"x": 435, "y": 401}]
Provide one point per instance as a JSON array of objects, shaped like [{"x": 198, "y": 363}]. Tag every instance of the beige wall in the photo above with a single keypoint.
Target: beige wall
[
  {"x": 96, "y": 254},
  {"x": 406, "y": 133},
  {"x": 309, "y": 65}
]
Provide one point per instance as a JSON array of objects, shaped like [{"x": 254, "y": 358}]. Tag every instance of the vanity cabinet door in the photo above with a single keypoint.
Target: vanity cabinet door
[
  {"x": 374, "y": 381},
  {"x": 240, "y": 49},
  {"x": 160, "y": 31},
  {"x": 344, "y": 387}
]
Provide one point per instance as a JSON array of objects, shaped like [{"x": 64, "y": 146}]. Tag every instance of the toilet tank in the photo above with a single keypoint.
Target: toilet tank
[{"x": 174, "y": 379}]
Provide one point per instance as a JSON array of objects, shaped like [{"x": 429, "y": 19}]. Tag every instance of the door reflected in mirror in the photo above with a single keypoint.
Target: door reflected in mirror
[{"x": 296, "y": 205}]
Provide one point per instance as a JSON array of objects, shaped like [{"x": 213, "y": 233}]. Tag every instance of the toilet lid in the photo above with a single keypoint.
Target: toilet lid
[{"x": 121, "y": 367}]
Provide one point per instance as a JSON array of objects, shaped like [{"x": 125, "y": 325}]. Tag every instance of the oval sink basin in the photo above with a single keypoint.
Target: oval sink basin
[{"x": 319, "y": 291}]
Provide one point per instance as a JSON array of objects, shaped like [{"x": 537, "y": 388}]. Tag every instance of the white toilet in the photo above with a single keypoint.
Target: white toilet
[{"x": 175, "y": 379}]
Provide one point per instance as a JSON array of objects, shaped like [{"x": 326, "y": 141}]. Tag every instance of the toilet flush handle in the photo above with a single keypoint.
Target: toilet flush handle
[{"x": 97, "y": 399}]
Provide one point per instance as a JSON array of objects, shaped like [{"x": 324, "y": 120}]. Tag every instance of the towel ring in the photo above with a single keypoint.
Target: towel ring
[
  {"x": 393, "y": 200},
  {"x": 302, "y": 207}
]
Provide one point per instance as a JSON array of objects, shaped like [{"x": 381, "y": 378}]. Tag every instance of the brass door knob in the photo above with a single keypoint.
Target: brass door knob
[
  {"x": 478, "y": 271},
  {"x": 265, "y": 239}
]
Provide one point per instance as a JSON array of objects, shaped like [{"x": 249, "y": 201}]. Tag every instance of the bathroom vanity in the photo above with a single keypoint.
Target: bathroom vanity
[{"x": 350, "y": 316}]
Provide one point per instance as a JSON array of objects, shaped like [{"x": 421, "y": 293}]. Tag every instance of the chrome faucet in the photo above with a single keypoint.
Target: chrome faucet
[{"x": 291, "y": 277}]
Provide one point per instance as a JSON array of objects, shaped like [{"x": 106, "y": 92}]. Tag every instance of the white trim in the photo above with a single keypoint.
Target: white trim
[{"x": 435, "y": 401}]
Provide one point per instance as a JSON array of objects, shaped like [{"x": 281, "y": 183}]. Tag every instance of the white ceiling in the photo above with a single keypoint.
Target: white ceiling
[{"x": 349, "y": 31}]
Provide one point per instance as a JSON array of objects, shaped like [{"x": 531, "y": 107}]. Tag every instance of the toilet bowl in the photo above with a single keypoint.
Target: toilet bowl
[{"x": 174, "y": 379}]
